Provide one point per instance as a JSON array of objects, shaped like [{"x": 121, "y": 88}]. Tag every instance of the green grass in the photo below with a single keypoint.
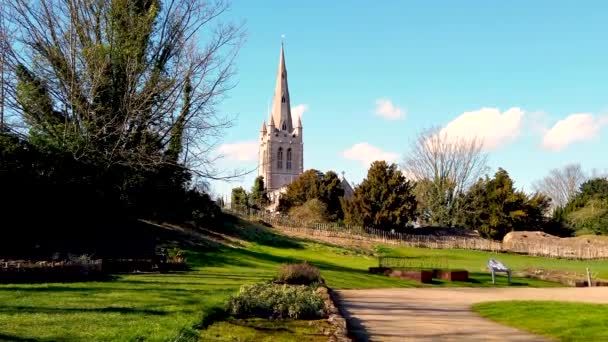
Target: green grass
[
  {"x": 476, "y": 261},
  {"x": 559, "y": 320},
  {"x": 157, "y": 307},
  {"x": 266, "y": 331}
]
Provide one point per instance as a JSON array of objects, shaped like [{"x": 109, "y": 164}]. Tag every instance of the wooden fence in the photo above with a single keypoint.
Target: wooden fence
[
  {"x": 414, "y": 263},
  {"x": 425, "y": 241}
]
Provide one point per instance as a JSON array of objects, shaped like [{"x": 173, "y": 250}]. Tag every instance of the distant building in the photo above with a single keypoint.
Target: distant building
[
  {"x": 281, "y": 149},
  {"x": 348, "y": 189}
]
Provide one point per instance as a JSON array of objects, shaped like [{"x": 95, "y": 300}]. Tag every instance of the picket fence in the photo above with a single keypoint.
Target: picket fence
[{"x": 353, "y": 232}]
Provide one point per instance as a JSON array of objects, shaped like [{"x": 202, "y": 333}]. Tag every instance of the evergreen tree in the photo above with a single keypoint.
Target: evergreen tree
[
  {"x": 587, "y": 212},
  {"x": 239, "y": 199},
  {"x": 494, "y": 207},
  {"x": 384, "y": 199},
  {"x": 259, "y": 197}
]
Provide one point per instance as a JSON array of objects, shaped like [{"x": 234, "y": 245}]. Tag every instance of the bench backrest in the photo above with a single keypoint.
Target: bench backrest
[{"x": 497, "y": 265}]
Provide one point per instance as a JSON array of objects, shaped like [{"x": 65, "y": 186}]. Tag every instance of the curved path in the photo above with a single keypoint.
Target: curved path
[{"x": 443, "y": 314}]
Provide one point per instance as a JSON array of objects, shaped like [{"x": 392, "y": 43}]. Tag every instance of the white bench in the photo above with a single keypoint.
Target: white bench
[{"x": 496, "y": 266}]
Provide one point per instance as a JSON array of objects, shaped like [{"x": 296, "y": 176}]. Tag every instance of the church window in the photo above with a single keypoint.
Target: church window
[
  {"x": 280, "y": 158},
  {"x": 283, "y": 99},
  {"x": 284, "y": 126},
  {"x": 289, "y": 159}
]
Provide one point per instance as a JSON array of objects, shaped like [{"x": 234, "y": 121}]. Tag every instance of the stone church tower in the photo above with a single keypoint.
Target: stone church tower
[{"x": 281, "y": 149}]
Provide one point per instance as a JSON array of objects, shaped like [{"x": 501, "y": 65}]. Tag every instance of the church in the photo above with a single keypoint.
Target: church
[{"x": 281, "y": 145}]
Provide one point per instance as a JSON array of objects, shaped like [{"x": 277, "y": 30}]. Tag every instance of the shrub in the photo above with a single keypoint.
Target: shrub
[
  {"x": 175, "y": 255},
  {"x": 299, "y": 274},
  {"x": 313, "y": 211},
  {"x": 276, "y": 301}
]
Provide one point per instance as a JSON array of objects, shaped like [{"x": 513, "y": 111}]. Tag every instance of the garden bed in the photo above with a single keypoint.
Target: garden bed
[
  {"x": 451, "y": 275},
  {"x": 83, "y": 268},
  {"x": 17, "y": 271},
  {"x": 423, "y": 276}
]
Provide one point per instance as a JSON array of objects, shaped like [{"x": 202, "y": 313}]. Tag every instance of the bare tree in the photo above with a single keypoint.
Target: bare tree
[
  {"x": 445, "y": 167},
  {"x": 3, "y": 51},
  {"x": 561, "y": 185},
  {"x": 129, "y": 82}
]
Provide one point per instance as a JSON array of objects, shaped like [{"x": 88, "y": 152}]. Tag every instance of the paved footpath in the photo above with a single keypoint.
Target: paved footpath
[{"x": 444, "y": 314}]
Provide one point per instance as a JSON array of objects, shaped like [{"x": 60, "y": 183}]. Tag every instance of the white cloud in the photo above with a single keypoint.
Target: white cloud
[
  {"x": 298, "y": 111},
  {"x": 488, "y": 124},
  {"x": 575, "y": 127},
  {"x": 387, "y": 109},
  {"x": 367, "y": 154},
  {"x": 241, "y": 151}
]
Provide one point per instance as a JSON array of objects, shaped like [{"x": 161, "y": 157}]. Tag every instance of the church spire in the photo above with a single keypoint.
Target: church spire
[
  {"x": 281, "y": 107},
  {"x": 263, "y": 129}
]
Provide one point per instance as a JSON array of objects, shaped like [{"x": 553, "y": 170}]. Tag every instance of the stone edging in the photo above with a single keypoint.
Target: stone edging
[{"x": 335, "y": 318}]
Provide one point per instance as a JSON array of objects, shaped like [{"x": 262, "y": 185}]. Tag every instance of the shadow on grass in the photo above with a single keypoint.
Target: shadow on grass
[
  {"x": 48, "y": 310},
  {"x": 45, "y": 279},
  {"x": 256, "y": 232},
  {"x": 5, "y": 337},
  {"x": 211, "y": 316},
  {"x": 250, "y": 258}
]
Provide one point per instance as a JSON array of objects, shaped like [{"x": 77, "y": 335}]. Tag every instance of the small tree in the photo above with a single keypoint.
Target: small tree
[
  {"x": 313, "y": 210},
  {"x": 313, "y": 184},
  {"x": 258, "y": 197},
  {"x": 494, "y": 207},
  {"x": 239, "y": 198},
  {"x": 562, "y": 184},
  {"x": 384, "y": 199},
  {"x": 445, "y": 166},
  {"x": 587, "y": 212}
]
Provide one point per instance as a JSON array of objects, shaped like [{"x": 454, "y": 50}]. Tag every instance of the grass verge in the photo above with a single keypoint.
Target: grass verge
[{"x": 559, "y": 320}]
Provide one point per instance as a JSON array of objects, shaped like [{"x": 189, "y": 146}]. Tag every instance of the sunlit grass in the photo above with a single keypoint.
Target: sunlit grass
[
  {"x": 476, "y": 261},
  {"x": 260, "y": 330},
  {"x": 559, "y": 320},
  {"x": 158, "y": 307}
]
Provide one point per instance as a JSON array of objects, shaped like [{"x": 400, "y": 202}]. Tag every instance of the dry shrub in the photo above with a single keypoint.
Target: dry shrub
[
  {"x": 299, "y": 274},
  {"x": 313, "y": 211}
]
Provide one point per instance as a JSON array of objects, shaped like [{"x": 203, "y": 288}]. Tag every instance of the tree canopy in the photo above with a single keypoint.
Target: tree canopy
[
  {"x": 259, "y": 197},
  {"x": 587, "y": 212},
  {"x": 111, "y": 106},
  {"x": 383, "y": 200},
  {"x": 561, "y": 185},
  {"x": 444, "y": 167},
  {"x": 494, "y": 207},
  {"x": 313, "y": 184},
  {"x": 239, "y": 198}
]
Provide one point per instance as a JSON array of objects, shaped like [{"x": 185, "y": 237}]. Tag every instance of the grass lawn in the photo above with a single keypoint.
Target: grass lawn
[
  {"x": 476, "y": 261},
  {"x": 266, "y": 331},
  {"x": 559, "y": 320},
  {"x": 158, "y": 307}
]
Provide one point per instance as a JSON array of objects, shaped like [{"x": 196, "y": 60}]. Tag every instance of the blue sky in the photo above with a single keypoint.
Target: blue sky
[{"x": 530, "y": 74}]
